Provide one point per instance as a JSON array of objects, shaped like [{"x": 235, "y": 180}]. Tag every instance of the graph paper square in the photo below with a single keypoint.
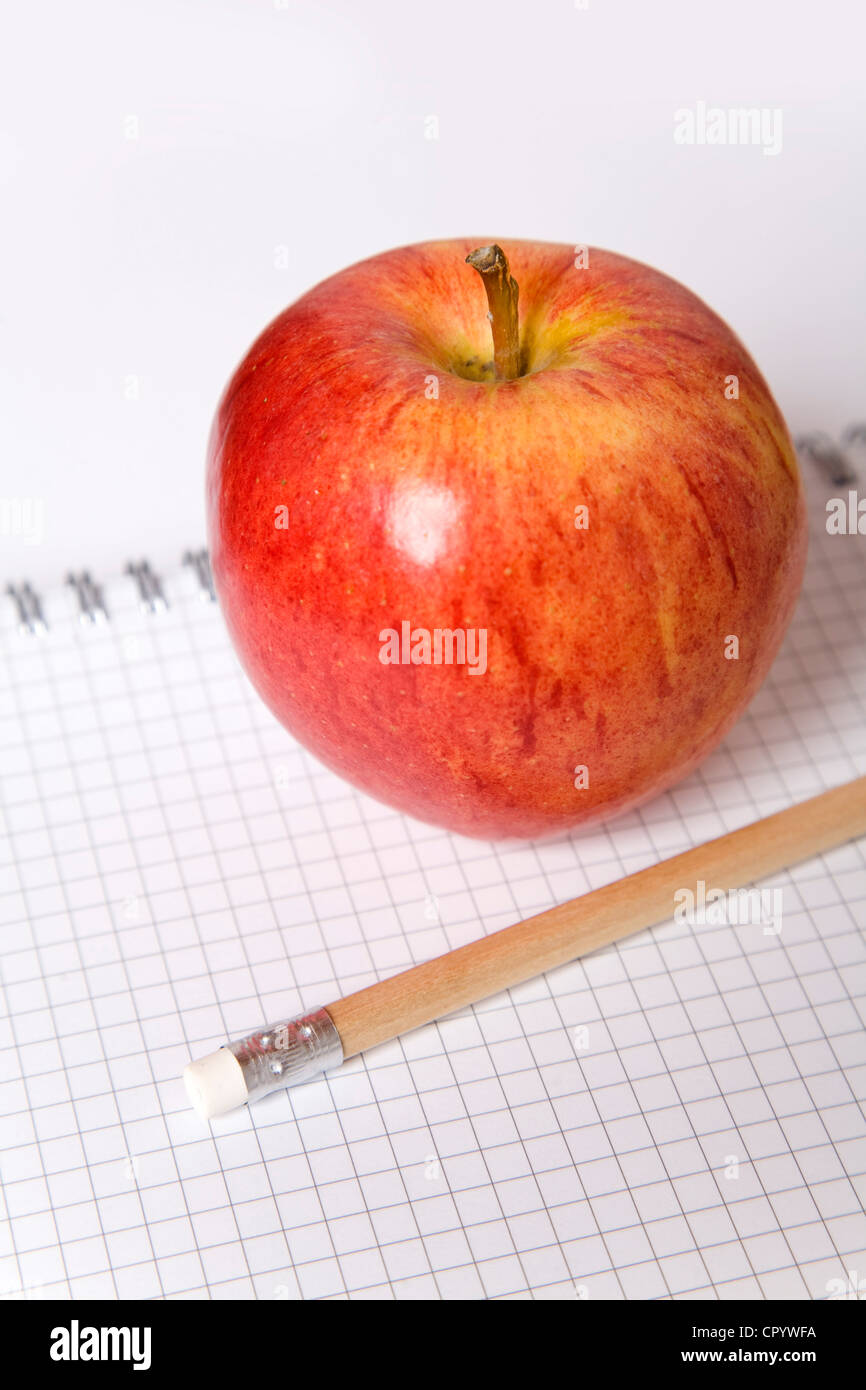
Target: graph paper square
[{"x": 680, "y": 1115}]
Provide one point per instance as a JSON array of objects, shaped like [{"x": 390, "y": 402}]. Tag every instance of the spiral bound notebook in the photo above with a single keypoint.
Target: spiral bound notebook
[{"x": 678, "y": 1116}]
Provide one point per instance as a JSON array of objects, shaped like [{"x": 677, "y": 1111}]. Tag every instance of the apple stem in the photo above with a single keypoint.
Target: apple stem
[{"x": 492, "y": 265}]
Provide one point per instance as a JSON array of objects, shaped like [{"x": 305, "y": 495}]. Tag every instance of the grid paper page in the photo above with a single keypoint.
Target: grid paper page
[{"x": 678, "y": 1116}]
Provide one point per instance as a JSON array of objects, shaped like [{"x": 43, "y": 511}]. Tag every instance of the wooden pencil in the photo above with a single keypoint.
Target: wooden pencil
[{"x": 297, "y": 1049}]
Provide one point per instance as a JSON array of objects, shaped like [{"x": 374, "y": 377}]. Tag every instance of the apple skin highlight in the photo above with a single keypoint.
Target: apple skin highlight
[{"x": 418, "y": 489}]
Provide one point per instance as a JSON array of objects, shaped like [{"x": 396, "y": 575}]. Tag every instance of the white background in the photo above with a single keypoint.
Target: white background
[{"x": 293, "y": 135}]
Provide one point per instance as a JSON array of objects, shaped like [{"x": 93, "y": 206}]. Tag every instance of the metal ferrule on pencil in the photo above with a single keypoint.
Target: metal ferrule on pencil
[
  {"x": 284, "y": 1054},
  {"x": 279, "y": 1055}
]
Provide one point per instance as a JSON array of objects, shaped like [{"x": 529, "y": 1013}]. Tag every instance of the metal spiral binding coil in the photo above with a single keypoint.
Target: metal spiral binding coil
[
  {"x": 829, "y": 456},
  {"x": 90, "y": 600},
  {"x": 150, "y": 590},
  {"x": 30, "y": 616},
  {"x": 199, "y": 561}
]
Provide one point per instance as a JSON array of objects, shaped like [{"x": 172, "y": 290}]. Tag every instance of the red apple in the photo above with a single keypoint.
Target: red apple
[{"x": 616, "y": 511}]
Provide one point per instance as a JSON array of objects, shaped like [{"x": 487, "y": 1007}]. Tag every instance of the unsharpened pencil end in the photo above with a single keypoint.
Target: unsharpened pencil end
[{"x": 215, "y": 1084}]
